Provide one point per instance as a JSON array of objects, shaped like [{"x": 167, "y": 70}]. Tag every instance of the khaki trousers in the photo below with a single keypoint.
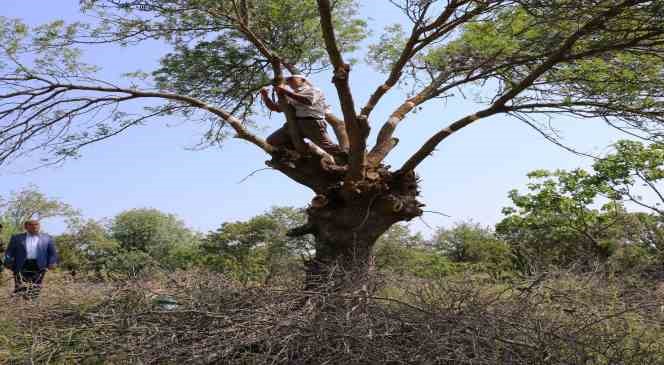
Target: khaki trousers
[{"x": 313, "y": 129}]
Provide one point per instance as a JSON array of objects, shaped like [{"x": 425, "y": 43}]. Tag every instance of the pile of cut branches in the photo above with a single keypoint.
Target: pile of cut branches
[{"x": 559, "y": 318}]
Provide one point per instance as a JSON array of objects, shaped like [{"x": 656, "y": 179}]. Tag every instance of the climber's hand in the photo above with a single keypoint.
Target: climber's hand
[{"x": 281, "y": 90}]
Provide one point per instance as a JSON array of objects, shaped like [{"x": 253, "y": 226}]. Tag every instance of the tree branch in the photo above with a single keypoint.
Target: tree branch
[
  {"x": 431, "y": 144},
  {"x": 499, "y": 105},
  {"x": 38, "y": 109},
  {"x": 397, "y": 68},
  {"x": 434, "y": 89},
  {"x": 277, "y": 64},
  {"x": 357, "y": 127},
  {"x": 422, "y": 35},
  {"x": 339, "y": 130}
]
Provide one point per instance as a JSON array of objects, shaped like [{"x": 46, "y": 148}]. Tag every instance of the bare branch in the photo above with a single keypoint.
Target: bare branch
[
  {"x": 406, "y": 55},
  {"x": 357, "y": 127},
  {"x": 38, "y": 105},
  {"x": 384, "y": 141}
]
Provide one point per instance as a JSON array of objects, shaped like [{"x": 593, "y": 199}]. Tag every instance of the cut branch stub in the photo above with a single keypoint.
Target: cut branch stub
[
  {"x": 357, "y": 129},
  {"x": 385, "y": 142}
]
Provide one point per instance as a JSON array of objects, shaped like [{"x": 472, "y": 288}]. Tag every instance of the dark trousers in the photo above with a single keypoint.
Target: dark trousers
[
  {"x": 28, "y": 281},
  {"x": 313, "y": 129}
]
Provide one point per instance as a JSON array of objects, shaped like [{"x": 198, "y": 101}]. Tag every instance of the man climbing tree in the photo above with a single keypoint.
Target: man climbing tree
[
  {"x": 310, "y": 109},
  {"x": 585, "y": 59}
]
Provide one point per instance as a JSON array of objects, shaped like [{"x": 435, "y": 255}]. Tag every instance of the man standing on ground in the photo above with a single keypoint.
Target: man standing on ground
[
  {"x": 310, "y": 107},
  {"x": 29, "y": 256},
  {"x": 2, "y": 249}
]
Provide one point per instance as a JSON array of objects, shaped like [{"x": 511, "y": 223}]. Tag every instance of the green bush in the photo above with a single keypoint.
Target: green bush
[
  {"x": 250, "y": 268},
  {"x": 476, "y": 248},
  {"x": 150, "y": 231},
  {"x": 257, "y": 249},
  {"x": 401, "y": 252},
  {"x": 127, "y": 265},
  {"x": 630, "y": 258},
  {"x": 72, "y": 258},
  {"x": 182, "y": 257}
]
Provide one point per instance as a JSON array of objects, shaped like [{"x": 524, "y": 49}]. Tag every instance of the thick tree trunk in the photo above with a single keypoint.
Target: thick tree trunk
[
  {"x": 343, "y": 259},
  {"x": 346, "y": 227},
  {"x": 347, "y": 217}
]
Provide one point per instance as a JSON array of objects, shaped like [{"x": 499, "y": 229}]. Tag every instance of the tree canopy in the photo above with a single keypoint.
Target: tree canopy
[
  {"x": 521, "y": 58},
  {"x": 588, "y": 59},
  {"x": 149, "y": 230},
  {"x": 30, "y": 203}
]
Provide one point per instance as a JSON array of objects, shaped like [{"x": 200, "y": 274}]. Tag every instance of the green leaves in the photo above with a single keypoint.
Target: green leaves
[
  {"x": 288, "y": 28},
  {"x": 631, "y": 165},
  {"x": 223, "y": 71},
  {"x": 560, "y": 219},
  {"x": 385, "y": 53},
  {"x": 223, "y": 50},
  {"x": 613, "y": 70},
  {"x": 50, "y": 48},
  {"x": 30, "y": 203},
  {"x": 150, "y": 231},
  {"x": 257, "y": 248},
  {"x": 630, "y": 159}
]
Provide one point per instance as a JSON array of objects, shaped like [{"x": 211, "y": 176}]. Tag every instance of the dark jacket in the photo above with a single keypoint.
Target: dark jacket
[
  {"x": 2, "y": 257},
  {"x": 17, "y": 254}
]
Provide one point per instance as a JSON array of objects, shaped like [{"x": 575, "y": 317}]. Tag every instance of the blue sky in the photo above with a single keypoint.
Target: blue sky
[{"x": 151, "y": 166}]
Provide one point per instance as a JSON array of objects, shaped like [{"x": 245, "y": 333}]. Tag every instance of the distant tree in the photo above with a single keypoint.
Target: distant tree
[
  {"x": 558, "y": 222},
  {"x": 560, "y": 219},
  {"x": 88, "y": 246},
  {"x": 258, "y": 249},
  {"x": 401, "y": 252},
  {"x": 393, "y": 245},
  {"x": 150, "y": 231},
  {"x": 30, "y": 203},
  {"x": 633, "y": 169},
  {"x": 464, "y": 241},
  {"x": 587, "y": 59},
  {"x": 70, "y": 254},
  {"x": 469, "y": 242},
  {"x": 647, "y": 230},
  {"x": 643, "y": 241}
]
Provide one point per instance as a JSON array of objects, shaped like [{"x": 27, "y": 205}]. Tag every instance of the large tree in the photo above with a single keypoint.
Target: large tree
[
  {"x": 30, "y": 203},
  {"x": 588, "y": 58},
  {"x": 151, "y": 231}
]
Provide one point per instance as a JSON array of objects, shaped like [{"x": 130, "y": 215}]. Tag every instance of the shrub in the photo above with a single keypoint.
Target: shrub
[{"x": 470, "y": 243}]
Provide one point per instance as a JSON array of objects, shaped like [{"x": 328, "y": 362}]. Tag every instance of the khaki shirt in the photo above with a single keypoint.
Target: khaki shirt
[{"x": 318, "y": 105}]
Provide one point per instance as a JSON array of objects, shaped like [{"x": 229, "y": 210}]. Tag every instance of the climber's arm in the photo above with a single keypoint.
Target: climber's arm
[{"x": 269, "y": 103}]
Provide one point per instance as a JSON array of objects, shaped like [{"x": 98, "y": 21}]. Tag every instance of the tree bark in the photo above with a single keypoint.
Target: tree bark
[{"x": 347, "y": 229}]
